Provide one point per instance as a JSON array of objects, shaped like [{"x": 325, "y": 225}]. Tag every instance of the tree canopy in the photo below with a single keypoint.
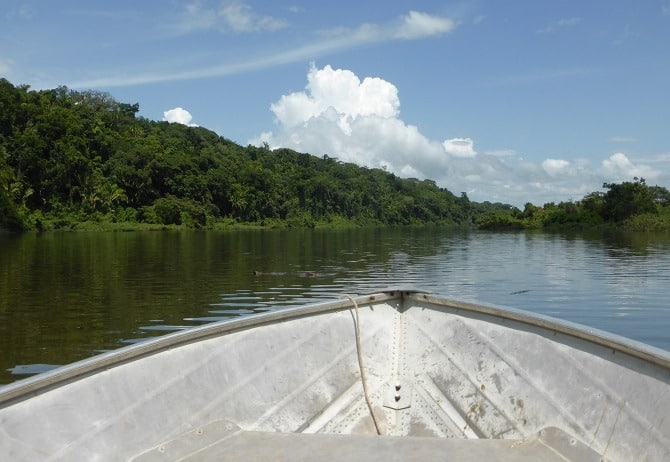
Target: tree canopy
[
  {"x": 68, "y": 157},
  {"x": 631, "y": 204},
  {"x": 72, "y": 157}
]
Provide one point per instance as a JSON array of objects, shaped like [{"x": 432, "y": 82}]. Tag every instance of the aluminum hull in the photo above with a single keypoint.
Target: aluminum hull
[{"x": 446, "y": 380}]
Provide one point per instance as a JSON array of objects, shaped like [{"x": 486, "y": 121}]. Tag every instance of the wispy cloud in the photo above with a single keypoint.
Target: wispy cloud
[
  {"x": 665, "y": 10},
  {"x": 239, "y": 17},
  {"x": 23, "y": 11},
  {"x": 623, "y": 139},
  {"x": 502, "y": 153},
  {"x": 413, "y": 26},
  {"x": 663, "y": 158},
  {"x": 623, "y": 36},
  {"x": 560, "y": 24},
  {"x": 417, "y": 25},
  {"x": 236, "y": 17},
  {"x": 5, "y": 66}
]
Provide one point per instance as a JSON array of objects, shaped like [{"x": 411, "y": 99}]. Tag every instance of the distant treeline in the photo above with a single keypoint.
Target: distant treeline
[
  {"x": 80, "y": 159},
  {"x": 632, "y": 205}
]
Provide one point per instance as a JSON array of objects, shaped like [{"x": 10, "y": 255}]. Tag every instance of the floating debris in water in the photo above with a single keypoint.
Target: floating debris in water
[{"x": 520, "y": 292}]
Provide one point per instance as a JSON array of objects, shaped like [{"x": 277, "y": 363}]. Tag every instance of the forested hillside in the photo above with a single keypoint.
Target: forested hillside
[
  {"x": 82, "y": 160},
  {"x": 69, "y": 159}
]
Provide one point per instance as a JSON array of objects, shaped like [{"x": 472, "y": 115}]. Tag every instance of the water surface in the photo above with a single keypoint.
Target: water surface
[{"x": 68, "y": 296}]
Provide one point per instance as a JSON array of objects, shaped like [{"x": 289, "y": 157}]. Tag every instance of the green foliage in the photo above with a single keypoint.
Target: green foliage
[
  {"x": 624, "y": 200},
  {"x": 9, "y": 217},
  {"x": 72, "y": 159},
  {"x": 497, "y": 221},
  {"x": 630, "y": 205},
  {"x": 69, "y": 157},
  {"x": 171, "y": 210},
  {"x": 648, "y": 222}
]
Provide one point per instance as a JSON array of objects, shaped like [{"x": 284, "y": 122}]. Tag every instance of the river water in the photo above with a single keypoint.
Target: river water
[{"x": 68, "y": 296}]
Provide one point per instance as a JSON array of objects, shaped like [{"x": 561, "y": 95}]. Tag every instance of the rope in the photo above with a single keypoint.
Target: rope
[{"x": 360, "y": 364}]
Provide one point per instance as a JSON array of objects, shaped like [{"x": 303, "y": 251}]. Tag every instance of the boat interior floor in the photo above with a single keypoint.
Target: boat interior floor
[{"x": 224, "y": 440}]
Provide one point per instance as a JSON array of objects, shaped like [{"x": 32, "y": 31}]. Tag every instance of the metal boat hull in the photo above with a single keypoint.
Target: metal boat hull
[{"x": 444, "y": 378}]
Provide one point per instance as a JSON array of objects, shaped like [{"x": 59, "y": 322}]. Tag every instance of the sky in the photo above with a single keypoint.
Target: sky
[{"x": 517, "y": 101}]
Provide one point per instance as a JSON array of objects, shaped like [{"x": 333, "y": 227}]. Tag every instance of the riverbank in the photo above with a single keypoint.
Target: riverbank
[
  {"x": 38, "y": 222},
  {"x": 638, "y": 223}
]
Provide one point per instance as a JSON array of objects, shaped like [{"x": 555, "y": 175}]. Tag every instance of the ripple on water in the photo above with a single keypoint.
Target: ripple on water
[{"x": 31, "y": 369}]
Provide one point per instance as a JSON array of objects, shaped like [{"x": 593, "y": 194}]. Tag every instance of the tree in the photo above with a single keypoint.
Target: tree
[
  {"x": 69, "y": 155},
  {"x": 529, "y": 210},
  {"x": 661, "y": 195},
  {"x": 627, "y": 199},
  {"x": 9, "y": 217},
  {"x": 593, "y": 203}
]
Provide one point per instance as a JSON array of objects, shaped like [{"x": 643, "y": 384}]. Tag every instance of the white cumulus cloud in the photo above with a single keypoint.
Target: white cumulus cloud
[
  {"x": 179, "y": 116},
  {"x": 340, "y": 90},
  {"x": 353, "y": 120},
  {"x": 555, "y": 167},
  {"x": 619, "y": 167},
  {"x": 359, "y": 121},
  {"x": 459, "y": 147}
]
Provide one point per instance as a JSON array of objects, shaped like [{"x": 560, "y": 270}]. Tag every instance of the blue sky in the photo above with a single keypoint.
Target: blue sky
[{"x": 517, "y": 101}]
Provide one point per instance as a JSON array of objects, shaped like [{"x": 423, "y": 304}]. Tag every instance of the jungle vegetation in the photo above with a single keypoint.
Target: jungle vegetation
[
  {"x": 82, "y": 160},
  {"x": 631, "y": 205}
]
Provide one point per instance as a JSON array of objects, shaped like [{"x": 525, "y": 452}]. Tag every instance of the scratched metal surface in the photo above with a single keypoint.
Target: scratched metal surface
[{"x": 435, "y": 369}]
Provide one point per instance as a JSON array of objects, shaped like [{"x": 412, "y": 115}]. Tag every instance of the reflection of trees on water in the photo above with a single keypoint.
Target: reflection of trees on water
[
  {"x": 620, "y": 243},
  {"x": 66, "y": 296}
]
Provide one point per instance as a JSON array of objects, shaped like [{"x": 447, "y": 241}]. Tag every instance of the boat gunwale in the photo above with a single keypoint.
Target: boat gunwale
[
  {"x": 615, "y": 342},
  {"x": 24, "y": 389}
]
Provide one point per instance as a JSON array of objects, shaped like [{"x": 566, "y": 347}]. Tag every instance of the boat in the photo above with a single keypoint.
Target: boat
[{"x": 399, "y": 374}]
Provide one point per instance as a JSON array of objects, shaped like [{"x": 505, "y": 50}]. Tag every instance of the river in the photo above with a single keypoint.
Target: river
[{"x": 68, "y": 296}]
